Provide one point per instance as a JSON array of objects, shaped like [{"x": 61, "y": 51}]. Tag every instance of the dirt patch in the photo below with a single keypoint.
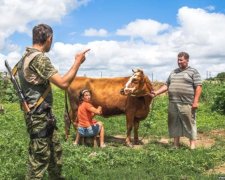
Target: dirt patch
[
  {"x": 120, "y": 139},
  {"x": 217, "y": 170},
  {"x": 203, "y": 140},
  {"x": 218, "y": 132}
]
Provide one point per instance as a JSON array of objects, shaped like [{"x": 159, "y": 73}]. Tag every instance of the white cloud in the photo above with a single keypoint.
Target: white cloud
[
  {"x": 146, "y": 29},
  {"x": 12, "y": 59},
  {"x": 152, "y": 46},
  {"x": 200, "y": 33},
  {"x": 17, "y": 15},
  {"x": 210, "y": 8},
  {"x": 95, "y": 32},
  {"x": 109, "y": 58}
]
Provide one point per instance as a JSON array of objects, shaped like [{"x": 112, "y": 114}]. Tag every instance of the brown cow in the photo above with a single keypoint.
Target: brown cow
[{"x": 133, "y": 100}]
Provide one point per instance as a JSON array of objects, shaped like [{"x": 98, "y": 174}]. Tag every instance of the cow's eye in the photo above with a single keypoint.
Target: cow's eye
[{"x": 135, "y": 81}]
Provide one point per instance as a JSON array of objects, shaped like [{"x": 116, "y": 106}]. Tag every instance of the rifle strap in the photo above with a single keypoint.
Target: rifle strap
[
  {"x": 41, "y": 98},
  {"x": 15, "y": 69}
]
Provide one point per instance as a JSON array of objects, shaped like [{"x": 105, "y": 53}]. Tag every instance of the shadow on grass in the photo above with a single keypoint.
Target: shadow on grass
[
  {"x": 18, "y": 176},
  {"x": 119, "y": 140},
  {"x": 169, "y": 145},
  {"x": 115, "y": 141}
]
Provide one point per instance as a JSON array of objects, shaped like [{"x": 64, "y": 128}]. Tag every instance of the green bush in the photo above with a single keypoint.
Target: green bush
[
  {"x": 208, "y": 91},
  {"x": 7, "y": 91},
  {"x": 219, "y": 101},
  {"x": 213, "y": 94}
]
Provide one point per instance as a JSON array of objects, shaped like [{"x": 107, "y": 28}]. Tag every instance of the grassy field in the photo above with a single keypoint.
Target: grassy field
[{"x": 153, "y": 160}]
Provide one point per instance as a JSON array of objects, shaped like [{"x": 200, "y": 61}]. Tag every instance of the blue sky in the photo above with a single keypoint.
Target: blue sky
[
  {"x": 111, "y": 15},
  {"x": 122, "y": 34}
]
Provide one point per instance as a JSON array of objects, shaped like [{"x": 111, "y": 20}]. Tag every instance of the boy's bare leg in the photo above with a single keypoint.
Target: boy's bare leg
[
  {"x": 102, "y": 134},
  {"x": 76, "y": 142}
]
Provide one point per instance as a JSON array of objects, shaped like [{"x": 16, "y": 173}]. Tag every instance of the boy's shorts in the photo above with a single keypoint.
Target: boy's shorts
[{"x": 89, "y": 131}]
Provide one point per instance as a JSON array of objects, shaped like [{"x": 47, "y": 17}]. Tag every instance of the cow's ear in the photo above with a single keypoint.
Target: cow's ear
[
  {"x": 135, "y": 70},
  {"x": 140, "y": 70}
]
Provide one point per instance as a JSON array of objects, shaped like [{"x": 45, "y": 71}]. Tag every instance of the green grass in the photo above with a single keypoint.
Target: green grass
[{"x": 153, "y": 161}]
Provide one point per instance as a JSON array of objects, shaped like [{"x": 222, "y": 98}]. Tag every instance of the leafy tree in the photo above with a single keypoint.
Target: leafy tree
[
  {"x": 221, "y": 76},
  {"x": 7, "y": 92}
]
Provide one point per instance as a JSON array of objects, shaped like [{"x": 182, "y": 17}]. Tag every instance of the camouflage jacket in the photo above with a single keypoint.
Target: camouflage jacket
[{"x": 34, "y": 70}]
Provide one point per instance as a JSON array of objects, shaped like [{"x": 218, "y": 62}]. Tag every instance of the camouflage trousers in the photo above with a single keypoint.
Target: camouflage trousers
[{"x": 45, "y": 154}]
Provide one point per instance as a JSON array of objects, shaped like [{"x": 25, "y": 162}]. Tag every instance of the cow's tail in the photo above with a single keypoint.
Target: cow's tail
[
  {"x": 66, "y": 105},
  {"x": 67, "y": 118}
]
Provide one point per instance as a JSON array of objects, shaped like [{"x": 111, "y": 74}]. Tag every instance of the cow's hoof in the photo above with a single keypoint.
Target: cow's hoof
[
  {"x": 129, "y": 145},
  {"x": 138, "y": 142}
]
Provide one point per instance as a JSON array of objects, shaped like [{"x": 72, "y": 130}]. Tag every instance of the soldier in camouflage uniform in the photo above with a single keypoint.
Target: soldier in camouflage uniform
[{"x": 35, "y": 72}]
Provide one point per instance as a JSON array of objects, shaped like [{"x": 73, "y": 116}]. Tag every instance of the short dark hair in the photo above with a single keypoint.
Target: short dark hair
[
  {"x": 41, "y": 33},
  {"x": 184, "y": 54}
]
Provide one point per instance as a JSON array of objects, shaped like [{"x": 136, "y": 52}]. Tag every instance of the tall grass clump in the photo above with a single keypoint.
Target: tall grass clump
[
  {"x": 219, "y": 100},
  {"x": 213, "y": 94}
]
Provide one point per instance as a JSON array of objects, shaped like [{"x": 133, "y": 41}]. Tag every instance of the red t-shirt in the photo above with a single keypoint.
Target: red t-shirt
[{"x": 85, "y": 115}]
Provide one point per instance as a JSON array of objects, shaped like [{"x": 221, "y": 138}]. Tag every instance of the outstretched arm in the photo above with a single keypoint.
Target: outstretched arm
[
  {"x": 161, "y": 90},
  {"x": 63, "y": 82}
]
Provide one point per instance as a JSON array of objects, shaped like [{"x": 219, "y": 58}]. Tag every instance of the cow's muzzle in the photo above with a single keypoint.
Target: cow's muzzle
[{"x": 127, "y": 91}]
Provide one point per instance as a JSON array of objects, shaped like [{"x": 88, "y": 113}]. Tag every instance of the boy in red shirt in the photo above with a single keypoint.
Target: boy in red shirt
[{"x": 88, "y": 127}]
